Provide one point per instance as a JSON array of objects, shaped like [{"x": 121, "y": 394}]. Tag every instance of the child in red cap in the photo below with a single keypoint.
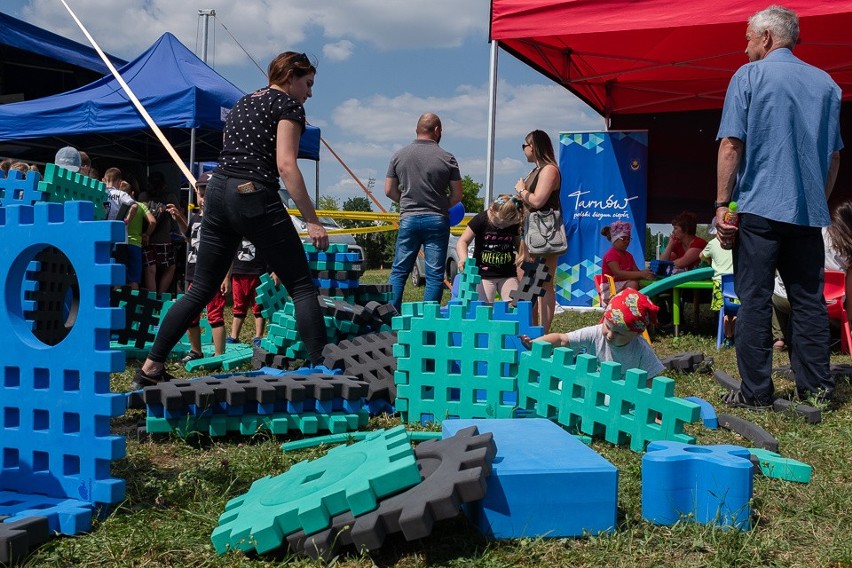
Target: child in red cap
[{"x": 617, "y": 337}]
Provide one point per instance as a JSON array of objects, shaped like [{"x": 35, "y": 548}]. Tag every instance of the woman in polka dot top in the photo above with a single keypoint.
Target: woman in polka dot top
[{"x": 261, "y": 143}]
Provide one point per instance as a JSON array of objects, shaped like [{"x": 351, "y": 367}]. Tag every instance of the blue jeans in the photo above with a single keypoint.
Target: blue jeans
[
  {"x": 763, "y": 245},
  {"x": 432, "y": 232},
  {"x": 261, "y": 218}
]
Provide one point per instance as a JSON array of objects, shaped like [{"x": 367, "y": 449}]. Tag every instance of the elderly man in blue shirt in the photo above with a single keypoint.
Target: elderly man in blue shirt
[{"x": 778, "y": 157}]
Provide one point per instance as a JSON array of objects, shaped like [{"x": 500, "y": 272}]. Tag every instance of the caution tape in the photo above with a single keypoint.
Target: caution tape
[
  {"x": 362, "y": 215},
  {"x": 377, "y": 229}
]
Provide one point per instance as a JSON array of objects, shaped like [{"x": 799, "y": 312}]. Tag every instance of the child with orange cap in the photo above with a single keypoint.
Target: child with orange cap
[{"x": 617, "y": 337}]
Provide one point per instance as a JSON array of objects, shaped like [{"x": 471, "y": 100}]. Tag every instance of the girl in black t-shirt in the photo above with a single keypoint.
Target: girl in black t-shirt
[
  {"x": 495, "y": 242},
  {"x": 261, "y": 144}
]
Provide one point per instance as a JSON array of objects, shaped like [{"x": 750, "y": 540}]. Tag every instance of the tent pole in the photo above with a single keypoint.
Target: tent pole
[
  {"x": 316, "y": 187},
  {"x": 492, "y": 108}
]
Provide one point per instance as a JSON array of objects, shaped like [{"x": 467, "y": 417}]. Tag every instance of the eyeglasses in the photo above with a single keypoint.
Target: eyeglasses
[{"x": 524, "y": 146}]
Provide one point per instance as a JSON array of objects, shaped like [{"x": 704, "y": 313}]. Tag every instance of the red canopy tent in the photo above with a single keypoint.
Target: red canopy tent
[{"x": 665, "y": 66}]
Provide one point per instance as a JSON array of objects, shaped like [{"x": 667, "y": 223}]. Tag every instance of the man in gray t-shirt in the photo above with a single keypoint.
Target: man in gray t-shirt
[{"x": 425, "y": 180}]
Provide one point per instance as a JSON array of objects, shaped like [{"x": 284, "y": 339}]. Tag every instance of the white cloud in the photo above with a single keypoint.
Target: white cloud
[
  {"x": 127, "y": 27},
  {"x": 339, "y": 51}
]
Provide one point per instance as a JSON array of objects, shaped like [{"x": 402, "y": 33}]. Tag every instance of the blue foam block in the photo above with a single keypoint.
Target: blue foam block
[
  {"x": 544, "y": 482},
  {"x": 708, "y": 413},
  {"x": 66, "y": 516},
  {"x": 55, "y": 399},
  {"x": 711, "y": 484}
]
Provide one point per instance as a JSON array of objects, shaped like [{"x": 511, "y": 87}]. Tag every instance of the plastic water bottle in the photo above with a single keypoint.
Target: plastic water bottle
[{"x": 730, "y": 218}]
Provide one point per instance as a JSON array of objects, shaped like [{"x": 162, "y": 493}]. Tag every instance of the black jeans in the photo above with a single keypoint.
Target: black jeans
[
  {"x": 797, "y": 252},
  {"x": 261, "y": 218}
]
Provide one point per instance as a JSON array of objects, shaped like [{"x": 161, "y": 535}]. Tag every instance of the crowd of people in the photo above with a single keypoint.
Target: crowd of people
[{"x": 779, "y": 144}]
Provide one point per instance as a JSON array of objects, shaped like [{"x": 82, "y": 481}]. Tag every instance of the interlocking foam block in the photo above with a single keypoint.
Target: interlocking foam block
[
  {"x": 17, "y": 538},
  {"x": 277, "y": 423},
  {"x": 686, "y": 362},
  {"x": 811, "y": 414},
  {"x": 348, "y": 478},
  {"x": 468, "y": 282},
  {"x": 544, "y": 482},
  {"x": 774, "y": 466},
  {"x": 708, "y": 413},
  {"x": 270, "y": 297},
  {"x": 522, "y": 313},
  {"x": 370, "y": 358},
  {"x": 66, "y": 516},
  {"x": 60, "y": 185},
  {"x": 453, "y": 365},
  {"x": 15, "y": 189},
  {"x": 749, "y": 430},
  {"x": 454, "y": 471},
  {"x": 235, "y": 355},
  {"x": 142, "y": 315},
  {"x": 602, "y": 404},
  {"x": 374, "y": 292},
  {"x": 710, "y": 484},
  {"x": 55, "y": 404},
  {"x": 531, "y": 285},
  {"x": 50, "y": 295}
]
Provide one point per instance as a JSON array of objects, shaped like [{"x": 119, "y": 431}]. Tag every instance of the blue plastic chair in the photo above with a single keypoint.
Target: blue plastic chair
[{"x": 730, "y": 306}]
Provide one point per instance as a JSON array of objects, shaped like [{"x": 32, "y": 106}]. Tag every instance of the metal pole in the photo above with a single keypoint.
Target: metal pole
[
  {"x": 316, "y": 187},
  {"x": 205, "y": 16},
  {"x": 492, "y": 110}
]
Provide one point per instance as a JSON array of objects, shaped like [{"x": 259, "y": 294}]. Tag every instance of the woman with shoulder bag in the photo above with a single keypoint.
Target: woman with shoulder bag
[{"x": 544, "y": 231}]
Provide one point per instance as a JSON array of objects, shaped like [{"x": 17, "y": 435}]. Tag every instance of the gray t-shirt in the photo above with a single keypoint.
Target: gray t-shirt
[
  {"x": 635, "y": 355},
  {"x": 424, "y": 171}
]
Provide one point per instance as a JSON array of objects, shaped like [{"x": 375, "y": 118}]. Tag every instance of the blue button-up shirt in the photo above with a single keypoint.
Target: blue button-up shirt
[{"x": 787, "y": 113}]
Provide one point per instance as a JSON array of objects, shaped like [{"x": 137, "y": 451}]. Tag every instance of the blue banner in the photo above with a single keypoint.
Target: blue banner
[{"x": 604, "y": 179}]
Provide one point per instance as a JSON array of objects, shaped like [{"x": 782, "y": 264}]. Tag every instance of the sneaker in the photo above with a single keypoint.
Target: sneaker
[
  {"x": 142, "y": 380},
  {"x": 230, "y": 340},
  {"x": 191, "y": 356},
  {"x": 256, "y": 342},
  {"x": 737, "y": 399}
]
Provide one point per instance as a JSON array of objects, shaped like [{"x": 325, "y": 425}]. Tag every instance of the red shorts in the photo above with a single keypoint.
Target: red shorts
[
  {"x": 244, "y": 291},
  {"x": 215, "y": 310}
]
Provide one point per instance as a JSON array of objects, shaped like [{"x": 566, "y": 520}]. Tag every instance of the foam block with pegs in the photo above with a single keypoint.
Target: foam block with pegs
[
  {"x": 348, "y": 478},
  {"x": 556, "y": 386},
  {"x": 710, "y": 484},
  {"x": 56, "y": 404},
  {"x": 774, "y": 466},
  {"x": 455, "y": 365},
  {"x": 544, "y": 482}
]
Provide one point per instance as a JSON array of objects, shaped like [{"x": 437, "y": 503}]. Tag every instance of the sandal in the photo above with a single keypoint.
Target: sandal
[
  {"x": 737, "y": 399},
  {"x": 142, "y": 380}
]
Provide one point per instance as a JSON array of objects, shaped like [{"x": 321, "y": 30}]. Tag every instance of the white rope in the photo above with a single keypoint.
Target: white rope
[{"x": 133, "y": 99}]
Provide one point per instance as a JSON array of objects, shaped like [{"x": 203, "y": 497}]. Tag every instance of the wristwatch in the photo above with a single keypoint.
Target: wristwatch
[{"x": 719, "y": 204}]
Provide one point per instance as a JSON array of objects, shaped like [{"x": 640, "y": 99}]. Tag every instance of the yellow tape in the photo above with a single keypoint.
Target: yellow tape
[{"x": 364, "y": 216}]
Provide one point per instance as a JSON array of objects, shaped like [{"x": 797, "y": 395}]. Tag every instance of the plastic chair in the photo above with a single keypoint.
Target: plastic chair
[
  {"x": 730, "y": 307},
  {"x": 835, "y": 300},
  {"x": 599, "y": 279}
]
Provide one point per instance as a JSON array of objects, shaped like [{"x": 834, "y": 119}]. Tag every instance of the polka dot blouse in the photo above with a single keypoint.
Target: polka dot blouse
[{"x": 249, "y": 145}]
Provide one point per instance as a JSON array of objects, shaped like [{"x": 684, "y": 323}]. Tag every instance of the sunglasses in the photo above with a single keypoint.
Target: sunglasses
[{"x": 524, "y": 146}]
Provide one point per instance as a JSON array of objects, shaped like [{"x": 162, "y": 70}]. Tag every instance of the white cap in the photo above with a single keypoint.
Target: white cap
[{"x": 68, "y": 158}]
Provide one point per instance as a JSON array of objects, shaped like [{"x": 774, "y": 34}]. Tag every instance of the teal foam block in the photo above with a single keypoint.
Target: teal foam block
[
  {"x": 544, "y": 482},
  {"x": 707, "y": 484}
]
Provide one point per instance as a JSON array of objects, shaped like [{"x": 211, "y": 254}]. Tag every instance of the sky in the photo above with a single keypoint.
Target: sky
[{"x": 381, "y": 64}]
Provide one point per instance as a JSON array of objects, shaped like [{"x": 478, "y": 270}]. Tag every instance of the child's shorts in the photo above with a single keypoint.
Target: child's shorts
[
  {"x": 160, "y": 255},
  {"x": 244, "y": 291},
  {"x": 215, "y": 310}
]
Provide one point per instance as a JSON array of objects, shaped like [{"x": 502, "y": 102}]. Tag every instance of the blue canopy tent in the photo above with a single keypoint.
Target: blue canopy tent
[
  {"x": 179, "y": 91},
  {"x": 38, "y": 63}
]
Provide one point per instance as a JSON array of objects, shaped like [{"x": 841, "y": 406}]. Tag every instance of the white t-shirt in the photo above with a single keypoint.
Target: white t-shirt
[{"x": 635, "y": 355}]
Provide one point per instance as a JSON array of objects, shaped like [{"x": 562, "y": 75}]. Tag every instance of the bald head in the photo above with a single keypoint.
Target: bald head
[{"x": 429, "y": 126}]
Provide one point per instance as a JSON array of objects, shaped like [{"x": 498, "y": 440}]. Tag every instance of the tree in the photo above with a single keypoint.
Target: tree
[
  {"x": 374, "y": 244},
  {"x": 470, "y": 195},
  {"x": 328, "y": 203}
]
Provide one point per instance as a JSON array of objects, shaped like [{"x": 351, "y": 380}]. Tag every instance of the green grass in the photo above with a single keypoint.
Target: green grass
[{"x": 176, "y": 490}]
